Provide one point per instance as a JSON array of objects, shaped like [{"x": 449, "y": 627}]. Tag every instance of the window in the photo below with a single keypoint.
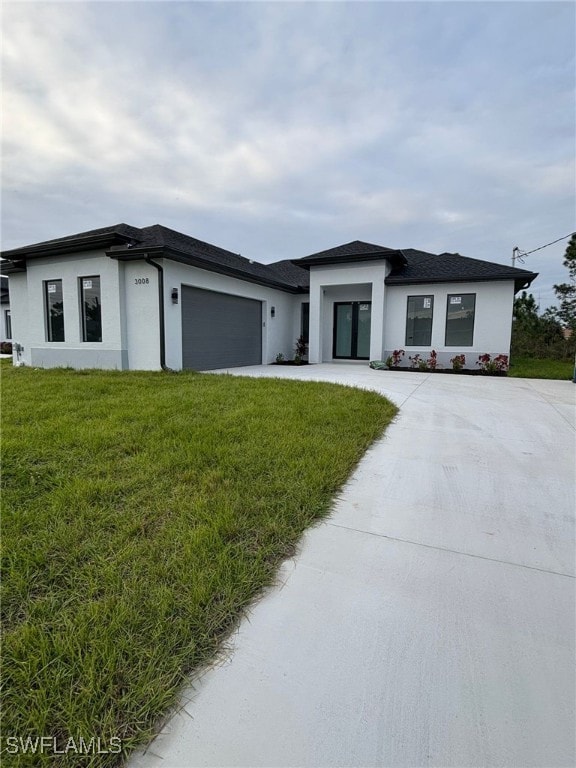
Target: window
[
  {"x": 419, "y": 321},
  {"x": 8, "y": 323},
  {"x": 460, "y": 319},
  {"x": 90, "y": 308},
  {"x": 54, "y": 308},
  {"x": 305, "y": 321}
]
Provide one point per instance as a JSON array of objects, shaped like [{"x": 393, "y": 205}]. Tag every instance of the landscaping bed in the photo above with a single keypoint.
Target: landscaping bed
[
  {"x": 463, "y": 372},
  {"x": 142, "y": 513},
  {"x": 486, "y": 364}
]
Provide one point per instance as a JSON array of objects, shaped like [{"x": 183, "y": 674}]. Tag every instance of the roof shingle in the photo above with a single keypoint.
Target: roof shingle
[
  {"x": 354, "y": 249},
  {"x": 124, "y": 241},
  {"x": 424, "y": 267},
  {"x": 409, "y": 266}
]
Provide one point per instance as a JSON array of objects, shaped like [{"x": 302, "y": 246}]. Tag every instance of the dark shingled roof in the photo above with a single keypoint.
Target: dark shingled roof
[
  {"x": 291, "y": 273},
  {"x": 355, "y": 248},
  {"x": 355, "y": 251},
  {"x": 423, "y": 267},
  {"x": 127, "y": 243},
  {"x": 409, "y": 266},
  {"x": 119, "y": 232}
]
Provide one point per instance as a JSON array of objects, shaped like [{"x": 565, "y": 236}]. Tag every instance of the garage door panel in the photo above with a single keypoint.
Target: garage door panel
[{"x": 219, "y": 330}]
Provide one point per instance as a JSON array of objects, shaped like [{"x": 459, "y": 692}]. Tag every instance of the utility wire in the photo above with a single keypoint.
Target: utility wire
[
  {"x": 518, "y": 254},
  {"x": 525, "y": 253}
]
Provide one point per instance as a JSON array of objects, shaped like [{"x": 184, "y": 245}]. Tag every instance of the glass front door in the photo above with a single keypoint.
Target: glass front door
[{"x": 352, "y": 330}]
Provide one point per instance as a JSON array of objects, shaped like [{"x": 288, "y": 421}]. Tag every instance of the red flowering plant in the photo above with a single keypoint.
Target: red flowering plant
[
  {"x": 432, "y": 361},
  {"x": 458, "y": 362},
  {"x": 501, "y": 362},
  {"x": 488, "y": 365},
  {"x": 393, "y": 360},
  {"x": 418, "y": 362}
]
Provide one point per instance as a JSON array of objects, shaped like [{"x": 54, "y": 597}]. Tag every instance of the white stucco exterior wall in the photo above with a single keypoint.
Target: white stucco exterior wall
[
  {"x": 279, "y": 333},
  {"x": 19, "y": 310},
  {"x": 130, "y": 312},
  {"x": 492, "y": 321},
  {"x": 140, "y": 307},
  {"x": 29, "y": 319},
  {"x": 131, "y": 325},
  {"x": 331, "y": 283}
]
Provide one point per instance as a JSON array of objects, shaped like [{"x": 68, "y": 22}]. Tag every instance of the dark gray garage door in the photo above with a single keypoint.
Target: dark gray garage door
[{"x": 219, "y": 330}]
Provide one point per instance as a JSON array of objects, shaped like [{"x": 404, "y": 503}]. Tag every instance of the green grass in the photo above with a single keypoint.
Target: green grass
[
  {"x": 532, "y": 368},
  {"x": 142, "y": 513}
]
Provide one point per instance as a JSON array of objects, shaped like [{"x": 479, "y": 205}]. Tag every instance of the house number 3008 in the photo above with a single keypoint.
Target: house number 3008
[{"x": 141, "y": 280}]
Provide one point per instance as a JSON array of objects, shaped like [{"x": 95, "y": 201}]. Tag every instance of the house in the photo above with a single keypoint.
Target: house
[
  {"x": 5, "y": 318},
  {"x": 144, "y": 298}
]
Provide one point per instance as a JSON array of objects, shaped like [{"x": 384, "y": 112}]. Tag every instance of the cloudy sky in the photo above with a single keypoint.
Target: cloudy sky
[{"x": 279, "y": 129}]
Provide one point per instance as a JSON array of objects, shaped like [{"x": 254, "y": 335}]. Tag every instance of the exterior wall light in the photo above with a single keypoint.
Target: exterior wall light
[
  {"x": 272, "y": 311},
  {"x": 174, "y": 295}
]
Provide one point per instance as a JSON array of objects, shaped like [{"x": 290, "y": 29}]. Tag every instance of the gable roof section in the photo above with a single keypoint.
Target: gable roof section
[
  {"x": 127, "y": 243},
  {"x": 413, "y": 267},
  {"x": 352, "y": 252},
  {"x": 409, "y": 266},
  {"x": 164, "y": 242},
  {"x": 422, "y": 267}
]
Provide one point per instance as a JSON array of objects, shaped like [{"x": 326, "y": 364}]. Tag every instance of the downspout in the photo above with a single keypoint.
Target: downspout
[{"x": 160, "y": 269}]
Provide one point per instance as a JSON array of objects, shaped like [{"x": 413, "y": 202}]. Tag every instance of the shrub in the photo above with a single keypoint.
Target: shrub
[
  {"x": 419, "y": 363},
  {"x": 300, "y": 349},
  {"x": 393, "y": 360},
  {"x": 538, "y": 336},
  {"x": 5, "y": 348},
  {"x": 488, "y": 365},
  {"x": 432, "y": 361},
  {"x": 458, "y": 362}
]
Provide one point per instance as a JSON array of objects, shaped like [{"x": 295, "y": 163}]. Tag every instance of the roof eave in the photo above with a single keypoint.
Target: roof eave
[
  {"x": 202, "y": 263},
  {"x": 74, "y": 245},
  {"x": 519, "y": 282},
  {"x": 395, "y": 257}
]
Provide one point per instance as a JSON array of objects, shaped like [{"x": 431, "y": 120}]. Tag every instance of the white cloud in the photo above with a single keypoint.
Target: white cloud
[{"x": 406, "y": 124}]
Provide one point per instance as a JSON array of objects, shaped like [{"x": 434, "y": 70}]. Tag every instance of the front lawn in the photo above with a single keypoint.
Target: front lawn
[
  {"x": 533, "y": 368},
  {"x": 142, "y": 512}
]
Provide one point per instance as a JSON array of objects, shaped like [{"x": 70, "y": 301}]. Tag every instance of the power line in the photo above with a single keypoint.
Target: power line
[
  {"x": 525, "y": 253},
  {"x": 517, "y": 254}
]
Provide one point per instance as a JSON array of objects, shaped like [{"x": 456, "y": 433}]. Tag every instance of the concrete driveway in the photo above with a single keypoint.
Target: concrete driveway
[{"x": 430, "y": 621}]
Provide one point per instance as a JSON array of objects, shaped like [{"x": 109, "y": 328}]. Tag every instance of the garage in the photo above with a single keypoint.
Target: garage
[{"x": 219, "y": 330}]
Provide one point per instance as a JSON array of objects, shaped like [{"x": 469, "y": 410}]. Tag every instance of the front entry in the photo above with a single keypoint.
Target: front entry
[{"x": 352, "y": 330}]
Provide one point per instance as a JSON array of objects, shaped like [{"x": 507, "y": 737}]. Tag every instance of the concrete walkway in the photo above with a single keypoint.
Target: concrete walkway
[{"x": 430, "y": 621}]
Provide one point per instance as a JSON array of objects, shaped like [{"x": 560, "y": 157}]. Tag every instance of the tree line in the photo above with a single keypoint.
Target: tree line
[{"x": 553, "y": 333}]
